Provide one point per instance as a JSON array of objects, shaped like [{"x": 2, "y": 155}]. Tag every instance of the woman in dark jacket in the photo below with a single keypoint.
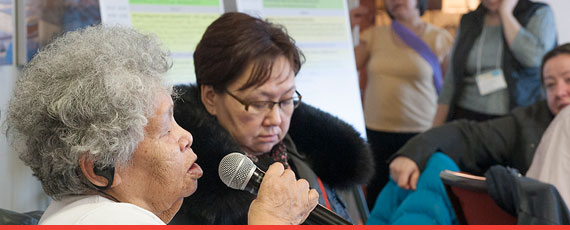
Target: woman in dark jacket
[
  {"x": 475, "y": 146},
  {"x": 246, "y": 101}
]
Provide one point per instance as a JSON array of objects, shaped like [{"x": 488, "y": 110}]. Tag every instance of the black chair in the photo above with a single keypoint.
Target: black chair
[{"x": 8, "y": 217}]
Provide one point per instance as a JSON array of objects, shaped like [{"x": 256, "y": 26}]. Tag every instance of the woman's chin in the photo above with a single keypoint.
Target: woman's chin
[
  {"x": 190, "y": 188},
  {"x": 262, "y": 148}
]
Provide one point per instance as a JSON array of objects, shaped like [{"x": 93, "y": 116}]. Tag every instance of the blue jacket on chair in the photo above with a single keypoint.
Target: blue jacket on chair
[{"x": 428, "y": 205}]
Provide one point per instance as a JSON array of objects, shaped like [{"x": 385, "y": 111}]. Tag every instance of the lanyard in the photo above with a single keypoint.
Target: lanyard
[{"x": 480, "y": 52}]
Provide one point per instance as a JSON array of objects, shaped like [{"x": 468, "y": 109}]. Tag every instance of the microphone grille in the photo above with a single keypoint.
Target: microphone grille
[{"x": 235, "y": 170}]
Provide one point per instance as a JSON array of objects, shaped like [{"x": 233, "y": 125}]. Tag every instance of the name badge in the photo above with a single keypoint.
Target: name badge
[{"x": 491, "y": 81}]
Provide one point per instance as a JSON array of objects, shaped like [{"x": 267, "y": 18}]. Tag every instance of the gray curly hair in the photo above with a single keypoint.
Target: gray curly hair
[{"x": 89, "y": 92}]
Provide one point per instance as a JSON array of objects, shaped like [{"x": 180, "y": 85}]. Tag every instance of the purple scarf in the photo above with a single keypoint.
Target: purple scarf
[{"x": 417, "y": 44}]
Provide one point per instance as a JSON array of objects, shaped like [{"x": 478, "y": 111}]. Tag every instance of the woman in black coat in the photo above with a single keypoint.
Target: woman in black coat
[{"x": 246, "y": 101}]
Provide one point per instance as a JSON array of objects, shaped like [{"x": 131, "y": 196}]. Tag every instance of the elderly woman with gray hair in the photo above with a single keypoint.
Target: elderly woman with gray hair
[{"x": 93, "y": 118}]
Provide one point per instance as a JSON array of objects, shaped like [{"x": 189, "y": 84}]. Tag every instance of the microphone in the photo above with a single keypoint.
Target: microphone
[{"x": 238, "y": 172}]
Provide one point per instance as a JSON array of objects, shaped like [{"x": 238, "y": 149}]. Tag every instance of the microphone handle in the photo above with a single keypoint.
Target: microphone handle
[
  {"x": 255, "y": 181},
  {"x": 322, "y": 216},
  {"x": 319, "y": 216}
]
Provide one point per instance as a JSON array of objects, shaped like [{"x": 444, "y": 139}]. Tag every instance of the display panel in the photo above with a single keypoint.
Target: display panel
[
  {"x": 178, "y": 23},
  {"x": 328, "y": 79}
]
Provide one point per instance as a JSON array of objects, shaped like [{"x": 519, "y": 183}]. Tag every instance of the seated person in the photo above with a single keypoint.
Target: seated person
[
  {"x": 427, "y": 205},
  {"x": 551, "y": 163},
  {"x": 246, "y": 101},
  {"x": 94, "y": 120},
  {"x": 476, "y": 146}
]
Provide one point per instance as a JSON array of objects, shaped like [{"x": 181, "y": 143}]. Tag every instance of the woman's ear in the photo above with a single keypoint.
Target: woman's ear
[
  {"x": 88, "y": 169},
  {"x": 209, "y": 98}
]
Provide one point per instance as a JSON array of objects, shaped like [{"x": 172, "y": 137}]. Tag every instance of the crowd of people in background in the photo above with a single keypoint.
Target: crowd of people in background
[{"x": 493, "y": 74}]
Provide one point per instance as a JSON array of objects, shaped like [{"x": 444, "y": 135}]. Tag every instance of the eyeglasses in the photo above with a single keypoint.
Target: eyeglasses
[{"x": 262, "y": 107}]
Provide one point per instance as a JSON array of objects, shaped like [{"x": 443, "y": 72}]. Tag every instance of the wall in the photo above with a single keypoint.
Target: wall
[{"x": 20, "y": 190}]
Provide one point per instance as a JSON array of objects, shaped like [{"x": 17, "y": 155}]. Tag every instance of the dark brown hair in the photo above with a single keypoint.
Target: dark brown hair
[
  {"x": 561, "y": 49},
  {"x": 236, "y": 40}
]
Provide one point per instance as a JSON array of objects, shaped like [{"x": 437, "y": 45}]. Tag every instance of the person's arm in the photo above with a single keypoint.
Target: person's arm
[
  {"x": 362, "y": 51},
  {"x": 282, "y": 199},
  {"x": 447, "y": 90},
  {"x": 445, "y": 97},
  {"x": 445, "y": 64},
  {"x": 443, "y": 46},
  {"x": 440, "y": 114},
  {"x": 361, "y": 55},
  {"x": 442, "y": 109},
  {"x": 473, "y": 146},
  {"x": 511, "y": 26},
  {"x": 528, "y": 44}
]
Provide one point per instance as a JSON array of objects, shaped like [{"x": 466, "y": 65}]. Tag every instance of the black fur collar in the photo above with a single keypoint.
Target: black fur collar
[{"x": 333, "y": 148}]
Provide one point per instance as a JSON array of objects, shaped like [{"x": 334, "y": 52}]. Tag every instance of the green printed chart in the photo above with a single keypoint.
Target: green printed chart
[
  {"x": 304, "y": 4},
  {"x": 179, "y": 24}
]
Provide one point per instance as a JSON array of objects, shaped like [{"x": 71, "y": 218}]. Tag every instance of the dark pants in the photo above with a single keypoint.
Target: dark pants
[
  {"x": 461, "y": 113},
  {"x": 383, "y": 145}
]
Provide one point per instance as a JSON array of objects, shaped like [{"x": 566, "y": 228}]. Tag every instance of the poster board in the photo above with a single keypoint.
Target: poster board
[
  {"x": 178, "y": 23},
  {"x": 321, "y": 29}
]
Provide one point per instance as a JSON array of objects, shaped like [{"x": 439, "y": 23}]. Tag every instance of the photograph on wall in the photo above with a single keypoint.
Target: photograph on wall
[
  {"x": 6, "y": 31},
  {"x": 48, "y": 19}
]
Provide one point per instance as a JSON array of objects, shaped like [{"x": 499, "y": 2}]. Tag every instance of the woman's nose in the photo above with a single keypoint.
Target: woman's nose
[
  {"x": 273, "y": 117},
  {"x": 185, "y": 140}
]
